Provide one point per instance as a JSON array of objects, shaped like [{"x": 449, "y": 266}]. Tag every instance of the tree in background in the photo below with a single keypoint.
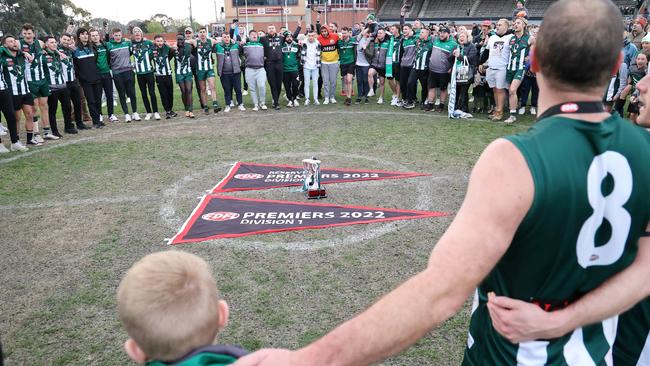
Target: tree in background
[{"x": 47, "y": 16}]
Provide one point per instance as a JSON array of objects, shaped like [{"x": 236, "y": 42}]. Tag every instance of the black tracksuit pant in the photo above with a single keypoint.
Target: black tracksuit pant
[
  {"x": 75, "y": 96},
  {"x": 166, "y": 90},
  {"x": 125, "y": 88},
  {"x": 62, "y": 96},
  {"x": 230, "y": 82},
  {"x": 290, "y": 79},
  {"x": 274, "y": 76},
  {"x": 405, "y": 74},
  {"x": 93, "y": 94},
  {"x": 107, "y": 86},
  {"x": 7, "y": 109},
  {"x": 146, "y": 84}
]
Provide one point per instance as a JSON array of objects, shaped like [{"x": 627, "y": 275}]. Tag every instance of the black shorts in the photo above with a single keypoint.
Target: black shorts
[
  {"x": 21, "y": 100},
  {"x": 380, "y": 72},
  {"x": 347, "y": 69},
  {"x": 437, "y": 80},
  {"x": 396, "y": 68}
]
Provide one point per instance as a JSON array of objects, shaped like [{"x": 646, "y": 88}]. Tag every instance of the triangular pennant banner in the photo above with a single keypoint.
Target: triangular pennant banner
[
  {"x": 252, "y": 176},
  {"x": 229, "y": 217}
]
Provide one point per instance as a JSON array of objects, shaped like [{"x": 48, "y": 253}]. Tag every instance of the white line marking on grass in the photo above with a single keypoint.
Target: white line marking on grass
[
  {"x": 424, "y": 202},
  {"x": 201, "y": 119}
]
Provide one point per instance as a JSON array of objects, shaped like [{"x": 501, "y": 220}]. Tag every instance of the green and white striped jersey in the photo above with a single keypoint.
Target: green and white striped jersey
[
  {"x": 161, "y": 56},
  {"x": 13, "y": 69},
  {"x": 204, "y": 50},
  {"x": 34, "y": 70},
  {"x": 143, "y": 56},
  {"x": 518, "y": 52},
  {"x": 68, "y": 65},
  {"x": 3, "y": 83},
  {"x": 422, "y": 52},
  {"x": 53, "y": 68},
  {"x": 182, "y": 58},
  {"x": 632, "y": 346}
]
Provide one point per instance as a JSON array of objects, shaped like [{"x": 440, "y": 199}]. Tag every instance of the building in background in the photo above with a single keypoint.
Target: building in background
[{"x": 258, "y": 14}]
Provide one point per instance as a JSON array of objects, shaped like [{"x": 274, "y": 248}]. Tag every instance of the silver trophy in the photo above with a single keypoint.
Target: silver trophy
[{"x": 312, "y": 184}]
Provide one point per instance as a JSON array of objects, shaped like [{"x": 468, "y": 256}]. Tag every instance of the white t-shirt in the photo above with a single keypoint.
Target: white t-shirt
[
  {"x": 310, "y": 56},
  {"x": 361, "y": 56},
  {"x": 499, "y": 47}
]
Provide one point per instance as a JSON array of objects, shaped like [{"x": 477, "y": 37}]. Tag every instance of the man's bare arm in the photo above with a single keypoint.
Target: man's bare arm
[
  {"x": 499, "y": 194},
  {"x": 520, "y": 321}
]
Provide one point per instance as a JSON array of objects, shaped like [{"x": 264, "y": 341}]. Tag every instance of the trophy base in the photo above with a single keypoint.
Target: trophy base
[{"x": 316, "y": 194}]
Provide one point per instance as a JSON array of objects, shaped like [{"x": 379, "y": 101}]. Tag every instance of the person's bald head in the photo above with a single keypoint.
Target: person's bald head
[{"x": 579, "y": 44}]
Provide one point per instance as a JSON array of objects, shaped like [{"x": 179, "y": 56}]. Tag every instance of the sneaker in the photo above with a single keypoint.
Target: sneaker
[
  {"x": 136, "y": 116},
  {"x": 358, "y": 101},
  {"x": 216, "y": 108},
  {"x": 290, "y": 104},
  {"x": 3, "y": 130},
  {"x": 34, "y": 142},
  {"x": 256, "y": 108},
  {"x": 366, "y": 101},
  {"x": 127, "y": 118},
  {"x": 18, "y": 146},
  {"x": 533, "y": 111},
  {"x": 113, "y": 118},
  {"x": 521, "y": 111},
  {"x": 232, "y": 104},
  {"x": 82, "y": 126},
  {"x": 173, "y": 114},
  {"x": 326, "y": 101},
  {"x": 242, "y": 108},
  {"x": 147, "y": 117},
  {"x": 227, "y": 109},
  {"x": 263, "y": 107},
  {"x": 399, "y": 103},
  {"x": 393, "y": 100},
  {"x": 296, "y": 103},
  {"x": 428, "y": 107},
  {"x": 306, "y": 102},
  {"x": 408, "y": 106},
  {"x": 206, "y": 110},
  {"x": 371, "y": 93},
  {"x": 98, "y": 125},
  {"x": 50, "y": 136},
  {"x": 245, "y": 92},
  {"x": 348, "y": 101},
  {"x": 71, "y": 130},
  {"x": 316, "y": 102},
  {"x": 38, "y": 138},
  {"x": 3, "y": 149},
  {"x": 190, "y": 114},
  {"x": 276, "y": 107},
  {"x": 187, "y": 114},
  {"x": 512, "y": 119},
  {"x": 168, "y": 115},
  {"x": 156, "y": 116},
  {"x": 380, "y": 100},
  {"x": 332, "y": 100}
]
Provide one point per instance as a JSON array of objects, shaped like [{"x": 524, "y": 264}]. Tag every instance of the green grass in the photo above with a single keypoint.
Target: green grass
[{"x": 66, "y": 258}]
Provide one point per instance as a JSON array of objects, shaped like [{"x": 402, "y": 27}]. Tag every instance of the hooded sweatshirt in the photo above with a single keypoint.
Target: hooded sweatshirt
[{"x": 329, "y": 51}]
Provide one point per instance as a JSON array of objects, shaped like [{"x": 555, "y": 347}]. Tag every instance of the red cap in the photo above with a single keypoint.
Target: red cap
[
  {"x": 487, "y": 23},
  {"x": 643, "y": 21}
]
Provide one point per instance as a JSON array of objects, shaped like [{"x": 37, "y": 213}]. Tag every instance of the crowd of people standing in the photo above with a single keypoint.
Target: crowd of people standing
[{"x": 444, "y": 61}]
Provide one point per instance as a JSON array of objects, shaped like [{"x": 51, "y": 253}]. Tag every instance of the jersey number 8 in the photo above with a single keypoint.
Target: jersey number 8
[{"x": 609, "y": 207}]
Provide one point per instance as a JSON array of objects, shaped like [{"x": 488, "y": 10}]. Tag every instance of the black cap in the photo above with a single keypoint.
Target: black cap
[{"x": 445, "y": 29}]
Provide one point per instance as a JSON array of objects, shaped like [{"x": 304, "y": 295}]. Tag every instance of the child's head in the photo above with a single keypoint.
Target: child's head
[{"x": 169, "y": 306}]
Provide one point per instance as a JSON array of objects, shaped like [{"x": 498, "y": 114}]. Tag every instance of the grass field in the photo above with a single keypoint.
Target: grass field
[{"x": 77, "y": 213}]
